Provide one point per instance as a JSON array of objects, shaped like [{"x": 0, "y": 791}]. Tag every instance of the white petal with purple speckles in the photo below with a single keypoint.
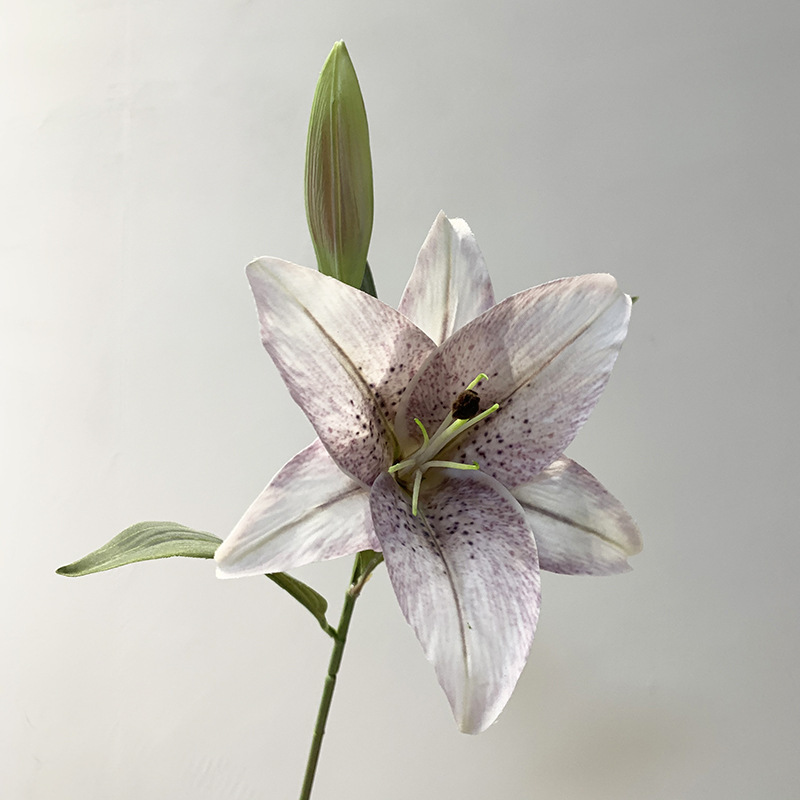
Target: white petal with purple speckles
[
  {"x": 310, "y": 511},
  {"x": 580, "y": 529},
  {"x": 345, "y": 357},
  {"x": 466, "y": 575},
  {"x": 548, "y": 353},
  {"x": 450, "y": 284}
]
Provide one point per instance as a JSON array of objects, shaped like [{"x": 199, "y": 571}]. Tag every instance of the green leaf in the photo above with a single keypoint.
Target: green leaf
[
  {"x": 304, "y": 595},
  {"x": 145, "y": 541},
  {"x": 366, "y": 561}
]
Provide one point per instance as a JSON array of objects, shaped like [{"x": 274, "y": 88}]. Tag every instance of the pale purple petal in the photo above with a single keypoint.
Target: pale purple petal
[
  {"x": 548, "y": 353},
  {"x": 580, "y": 529},
  {"x": 345, "y": 357},
  {"x": 310, "y": 511},
  {"x": 466, "y": 576},
  {"x": 450, "y": 284}
]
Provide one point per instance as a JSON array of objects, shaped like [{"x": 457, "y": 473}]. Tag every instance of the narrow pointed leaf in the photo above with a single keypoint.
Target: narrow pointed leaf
[
  {"x": 304, "y": 595},
  {"x": 145, "y": 541},
  {"x": 367, "y": 559},
  {"x": 148, "y": 541}
]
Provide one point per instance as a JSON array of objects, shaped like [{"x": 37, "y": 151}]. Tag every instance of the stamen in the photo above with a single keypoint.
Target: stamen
[
  {"x": 421, "y": 470},
  {"x": 450, "y": 465},
  {"x": 466, "y": 405},
  {"x": 448, "y": 420},
  {"x": 481, "y": 416},
  {"x": 464, "y": 415},
  {"x": 415, "y": 493},
  {"x": 482, "y": 377},
  {"x": 444, "y": 437},
  {"x": 425, "y": 438}
]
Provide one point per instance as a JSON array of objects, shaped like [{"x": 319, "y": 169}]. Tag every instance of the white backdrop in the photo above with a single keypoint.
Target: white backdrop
[{"x": 150, "y": 150}]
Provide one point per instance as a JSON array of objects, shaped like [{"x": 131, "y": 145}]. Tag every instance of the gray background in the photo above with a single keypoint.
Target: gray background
[{"x": 150, "y": 150}]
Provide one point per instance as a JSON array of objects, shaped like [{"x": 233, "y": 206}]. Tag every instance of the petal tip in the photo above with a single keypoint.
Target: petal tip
[
  {"x": 606, "y": 280},
  {"x": 222, "y": 575},
  {"x": 223, "y": 570},
  {"x": 473, "y": 726}
]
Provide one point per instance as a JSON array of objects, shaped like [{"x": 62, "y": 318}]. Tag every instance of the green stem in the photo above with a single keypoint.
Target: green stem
[{"x": 357, "y": 581}]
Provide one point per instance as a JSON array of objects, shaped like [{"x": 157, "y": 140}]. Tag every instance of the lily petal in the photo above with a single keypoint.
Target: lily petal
[
  {"x": 548, "y": 352},
  {"x": 466, "y": 575},
  {"x": 450, "y": 284},
  {"x": 310, "y": 511},
  {"x": 580, "y": 528},
  {"x": 345, "y": 357}
]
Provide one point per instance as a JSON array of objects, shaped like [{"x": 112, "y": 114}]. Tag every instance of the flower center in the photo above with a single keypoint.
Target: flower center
[{"x": 463, "y": 415}]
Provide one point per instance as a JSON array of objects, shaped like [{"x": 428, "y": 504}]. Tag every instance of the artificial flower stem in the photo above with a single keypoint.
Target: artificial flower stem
[{"x": 357, "y": 582}]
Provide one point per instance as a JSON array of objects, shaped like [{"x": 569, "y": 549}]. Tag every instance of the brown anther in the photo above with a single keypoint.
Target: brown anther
[{"x": 467, "y": 405}]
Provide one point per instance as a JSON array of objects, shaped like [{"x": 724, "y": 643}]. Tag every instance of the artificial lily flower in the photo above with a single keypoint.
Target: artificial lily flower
[{"x": 441, "y": 430}]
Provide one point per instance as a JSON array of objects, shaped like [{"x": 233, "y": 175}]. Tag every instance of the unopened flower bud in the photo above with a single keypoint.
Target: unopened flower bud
[{"x": 339, "y": 172}]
